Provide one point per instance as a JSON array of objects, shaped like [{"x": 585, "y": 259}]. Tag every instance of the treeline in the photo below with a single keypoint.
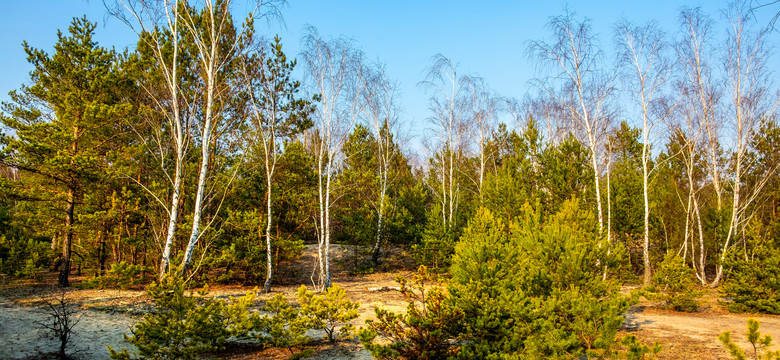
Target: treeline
[{"x": 199, "y": 151}]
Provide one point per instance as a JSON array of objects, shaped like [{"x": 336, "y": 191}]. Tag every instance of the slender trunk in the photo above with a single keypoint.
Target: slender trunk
[
  {"x": 327, "y": 224},
  {"x": 598, "y": 191},
  {"x": 321, "y": 203},
  {"x": 172, "y": 222},
  {"x": 687, "y": 231},
  {"x": 734, "y": 221},
  {"x": 646, "y": 250},
  {"x": 205, "y": 141},
  {"x": 609, "y": 218},
  {"x": 380, "y": 213},
  {"x": 66, "y": 243},
  {"x": 269, "y": 274},
  {"x": 702, "y": 259}
]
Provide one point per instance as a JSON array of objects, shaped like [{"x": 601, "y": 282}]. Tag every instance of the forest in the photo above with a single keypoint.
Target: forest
[{"x": 206, "y": 155}]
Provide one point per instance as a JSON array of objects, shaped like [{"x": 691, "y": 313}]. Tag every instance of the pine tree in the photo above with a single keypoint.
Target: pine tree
[{"x": 62, "y": 124}]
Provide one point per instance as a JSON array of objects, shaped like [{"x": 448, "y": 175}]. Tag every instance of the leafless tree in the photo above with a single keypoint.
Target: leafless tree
[
  {"x": 276, "y": 113},
  {"x": 158, "y": 25},
  {"x": 746, "y": 53},
  {"x": 699, "y": 100},
  {"x": 330, "y": 67},
  {"x": 161, "y": 24},
  {"x": 448, "y": 91},
  {"x": 378, "y": 105},
  {"x": 482, "y": 109},
  {"x": 580, "y": 83},
  {"x": 62, "y": 315},
  {"x": 642, "y": 50}
]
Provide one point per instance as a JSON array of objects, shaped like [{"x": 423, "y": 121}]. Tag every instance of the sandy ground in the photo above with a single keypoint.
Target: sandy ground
[
  {"x": 105, "y": 315},
  {"x": 695, "y": 335},
  {"x": 22, "y": 336}
]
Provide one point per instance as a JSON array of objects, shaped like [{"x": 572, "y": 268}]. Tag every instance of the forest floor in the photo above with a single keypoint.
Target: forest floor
[{"x": 105, "y": 315}]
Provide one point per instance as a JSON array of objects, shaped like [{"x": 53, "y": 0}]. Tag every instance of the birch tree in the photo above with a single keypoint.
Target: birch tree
[
  {"x": 583, "y": 84},
  {"x": 747, "y": 90},
  {"x": 277, "y": 113},
  {"x": 699, "y": 99},
  {"x": 446, "y": 103},
  {"x": 330, "y": 68},
  {"x": 378, "y": 105},
  {"x": 159, "y": 29},
  {"x": 483, "y": 109},
  {"x": 175, "y": 32},
  {"x": 642, "y": 49},
  {"x": 217, "y": 44}
]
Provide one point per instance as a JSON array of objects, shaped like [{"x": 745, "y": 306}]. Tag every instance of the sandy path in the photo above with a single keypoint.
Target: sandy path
[{"x": 695, "y": 336}]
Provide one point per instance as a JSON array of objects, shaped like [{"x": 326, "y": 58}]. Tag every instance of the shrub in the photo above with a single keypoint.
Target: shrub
[
  {"x": 673, "y": 283},
  {"x": 426, "y": 331},
  {"x": 754, "y": 337},
  {"x": 536, "y": 289},
  {"x": 181, "y": 327},
  {"x": 120, "y": 276},
  {"x": 285, "y": 328},
  {"x": 23, "y": 257},
  {"x": 329, "y": 310},
  {"x": 753, "y": 285},
  {"x": 636, "y": 350}
]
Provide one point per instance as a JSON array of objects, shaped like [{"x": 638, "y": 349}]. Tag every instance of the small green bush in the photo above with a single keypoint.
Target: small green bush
[
  {"x": 636, "y": 350},
  {"x": 285, "y": 328},
  {"x": 120, "y": 276},
  {"x": 181, "y": 327},
  {"x": 673, "y": 283},
  {"x": 533, "y": 289},
  {"x": 426, "y": 331},
  {"x": 329, "y": 310},
  {"x": 759, "y": 343},
  {"x": 23, "y": 257},
  {"x": 753, "y": 284}
]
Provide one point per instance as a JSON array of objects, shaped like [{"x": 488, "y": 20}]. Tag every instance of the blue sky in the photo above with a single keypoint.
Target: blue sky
[{"x": 487, "y": 37}]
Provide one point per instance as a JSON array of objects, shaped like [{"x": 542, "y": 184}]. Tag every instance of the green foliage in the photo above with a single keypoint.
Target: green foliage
[
  {"x": 753, "y": 284},
  {"x": 23, "y": 257},
  {"x": 636, "y": 350},
  {"x": 285, "y": 327},
  {"x": 180, "y": 327},
  {"x": 673, "y": 282},
  {"x": 329, "y": 310},
  {"x": 120, "y": 276},
  {"x": 426, "y": 331},
  {"x": 437, "y": 244},
  {"x": 535, "y": 288},
  {"x": 759, "y": 344}
]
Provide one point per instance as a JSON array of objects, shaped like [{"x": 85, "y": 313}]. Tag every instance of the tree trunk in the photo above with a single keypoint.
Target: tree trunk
[
  {"x": 270, "y": 272},
  {"x": 173, "y": 221},
  {"x": 64, "y": 267}
]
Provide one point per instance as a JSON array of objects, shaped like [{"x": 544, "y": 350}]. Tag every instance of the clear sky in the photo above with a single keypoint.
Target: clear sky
[{"x": 486, "y": 37}]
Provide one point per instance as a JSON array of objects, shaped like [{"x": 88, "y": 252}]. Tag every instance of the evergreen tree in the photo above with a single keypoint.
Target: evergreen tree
[{"x": 61, "y": 126}]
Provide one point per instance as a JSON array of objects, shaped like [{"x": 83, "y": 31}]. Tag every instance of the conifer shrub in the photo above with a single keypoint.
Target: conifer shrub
[
  {"x": 427, "y": 331},
  {"x": 23, "y": 257},
  {"x": 636, "y": 350},
  {"x": 284, "y": 327},
  {"x": 759, "y": 344},
  {"x": 181, "y": 326},
  {"x": 673, "y": 283},
  {"x": 328, "y": 311},
  {"x": 435, "y": 247},
  {"x": 533, "y": 289},
  {"x": 753, "y": 284},
  {"x": 120, "y": 276}
]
